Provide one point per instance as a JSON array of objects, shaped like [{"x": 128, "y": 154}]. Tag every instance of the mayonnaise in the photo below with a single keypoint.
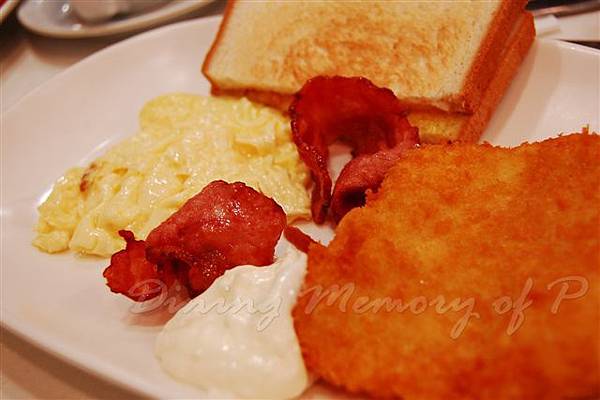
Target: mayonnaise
[{"x": 238, "y": 336}]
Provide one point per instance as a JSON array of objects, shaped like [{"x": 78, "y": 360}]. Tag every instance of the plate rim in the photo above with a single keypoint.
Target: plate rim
[
  {"x": 131, "y": 24},
  {"x": 84, "y": 361},
  {"x": 571, "y": 46}
]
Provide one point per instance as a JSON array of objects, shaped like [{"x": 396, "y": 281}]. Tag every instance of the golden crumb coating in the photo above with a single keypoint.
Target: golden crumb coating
[{"x": 473, "y": 273}]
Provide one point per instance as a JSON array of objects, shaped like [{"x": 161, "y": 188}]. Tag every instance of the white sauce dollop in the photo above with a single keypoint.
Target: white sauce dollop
[{"x": 238, "y": 336}]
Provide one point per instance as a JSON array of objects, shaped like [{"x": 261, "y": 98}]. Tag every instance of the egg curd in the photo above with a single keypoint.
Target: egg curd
[{"x": 184, "y": 142}]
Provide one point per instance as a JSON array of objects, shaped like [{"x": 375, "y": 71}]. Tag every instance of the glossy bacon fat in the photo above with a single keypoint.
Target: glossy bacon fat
[
  {"x": 366, "y": 172},
  {"x": 299, "y": 239},
  {"x": 225, "y": 225},
  {"x": 368, "y": 118}
]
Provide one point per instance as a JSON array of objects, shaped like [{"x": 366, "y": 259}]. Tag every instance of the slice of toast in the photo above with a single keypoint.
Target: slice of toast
[
  {"x": 440, "y": 127},
  {"x": 431, "y": 54}
]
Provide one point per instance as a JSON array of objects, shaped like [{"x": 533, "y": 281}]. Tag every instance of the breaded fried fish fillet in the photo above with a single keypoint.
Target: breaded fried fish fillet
[{"x": 473, "y": 273}]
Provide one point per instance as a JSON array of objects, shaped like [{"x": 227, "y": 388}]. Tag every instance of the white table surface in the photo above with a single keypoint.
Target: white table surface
[{"x": 27, "y": 61}]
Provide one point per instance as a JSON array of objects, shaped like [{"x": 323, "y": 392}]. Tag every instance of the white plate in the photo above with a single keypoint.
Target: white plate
[
  {"x": 60, "y": 302},
  {"x": 6, "y": 8},
  {"x": 55, "y": 18}
]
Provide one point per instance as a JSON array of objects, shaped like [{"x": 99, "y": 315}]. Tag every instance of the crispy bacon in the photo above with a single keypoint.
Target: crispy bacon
[
  {"x": 223, "y": 226},
  {"x": 299, "y": 239},
  {"x": 365, "y": 116},
  {"x": 131, "y": 274},
  {"x": 366, "y": 172}
]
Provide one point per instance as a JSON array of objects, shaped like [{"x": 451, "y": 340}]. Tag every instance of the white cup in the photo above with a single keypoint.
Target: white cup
[{"x": 101, "y": 10}]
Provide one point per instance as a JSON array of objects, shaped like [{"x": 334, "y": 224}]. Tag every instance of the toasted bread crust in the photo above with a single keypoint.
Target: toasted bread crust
[
  {"x": 466, "y": 100},
  {"x": 512, "y": 59},
  {"x": 489, "y": 56},
  {"x": 441, "y": 127},
  {"x": 276, "y": 100},
  {"x": 211, "y": 52}
]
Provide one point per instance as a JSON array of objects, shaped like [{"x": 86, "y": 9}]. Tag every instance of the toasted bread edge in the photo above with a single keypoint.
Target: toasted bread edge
[
  {"x": 217, "y": 42},
  {"x": 512, "y": 60},
  {"x": 488, "y": 57}
]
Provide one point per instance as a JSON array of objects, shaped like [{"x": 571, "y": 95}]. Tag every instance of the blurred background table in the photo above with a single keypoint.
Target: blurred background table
[{"x": 28, "y": 60}]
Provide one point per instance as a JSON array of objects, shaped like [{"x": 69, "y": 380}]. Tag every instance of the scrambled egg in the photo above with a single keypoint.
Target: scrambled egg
[{"x": 184, "y": 143}]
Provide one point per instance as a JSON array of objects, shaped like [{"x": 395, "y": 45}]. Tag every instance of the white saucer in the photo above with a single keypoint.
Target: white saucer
[
  {"x": 56, "y": 18},
  {"x": 6, "y": 8}
]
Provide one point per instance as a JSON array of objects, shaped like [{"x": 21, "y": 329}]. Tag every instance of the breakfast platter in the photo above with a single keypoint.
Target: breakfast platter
[{"x": 60, "y": 302}]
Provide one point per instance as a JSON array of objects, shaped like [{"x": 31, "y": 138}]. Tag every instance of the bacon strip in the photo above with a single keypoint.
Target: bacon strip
[
  {"x": 366, "y": 172},
  {"x": 299, "y": 239},
  {"x": 223, "y": 226},
  {"x": 365, "y": 116},
  {"x": 131, "y": 274}
]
